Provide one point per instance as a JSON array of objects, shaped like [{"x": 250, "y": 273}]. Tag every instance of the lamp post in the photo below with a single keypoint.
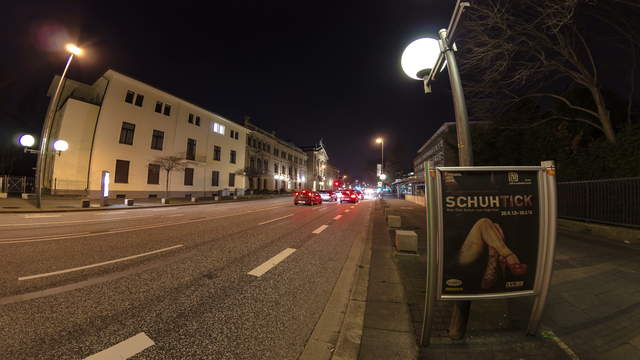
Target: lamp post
[
  {"x": 381, "y": 142},
  {"x": 422, "y": 60},
  {"x": 48, "y": 124}
]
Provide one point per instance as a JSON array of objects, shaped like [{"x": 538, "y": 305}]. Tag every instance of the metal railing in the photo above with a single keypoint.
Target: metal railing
[
  {"x": 16, "y": 184},
  {"x": 608, "y": 201}
]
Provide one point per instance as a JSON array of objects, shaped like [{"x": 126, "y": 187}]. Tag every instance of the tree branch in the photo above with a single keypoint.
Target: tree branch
[
  {"x": 564, "y": 100},
  {"x": 552, "y": 118}
]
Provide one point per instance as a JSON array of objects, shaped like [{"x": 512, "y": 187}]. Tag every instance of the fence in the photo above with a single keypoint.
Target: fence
[
  {"x": 609, "y": 201},
  {"x": 16, "y": 184}
]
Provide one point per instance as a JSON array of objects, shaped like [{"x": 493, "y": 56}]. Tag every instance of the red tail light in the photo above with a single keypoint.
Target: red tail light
[{"x": 353, "y": 196}]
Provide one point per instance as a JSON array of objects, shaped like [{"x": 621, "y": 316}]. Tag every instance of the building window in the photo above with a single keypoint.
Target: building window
[
  {"x": 283, "y": 170},
  {"x": 191, "y": 149},
  {"x": 217, "y": 128},
  {"x": 153, "y": 174},
  {"x": 252, "y": 163},
  {"x": 232, "y": 179},
  {"x": 188, "y": 176},
  {"x": 217, "y": 150},
  {"x": 215, "y": 178},
  {"x": 290, "y": 170},
  {"x": 122, "y": 172},
  {"x": 129, "y": 97},
  {"x": 197, "y": 120},
  {"x": 236, "y": 136},
  {"x": 167, "y": 109},
  {"x": 157, "y": 139},
  {"x": 260, "y": 164},
  {"x": 289, "y": 157},
  {"x": 158, "y": 107},
  {"x": 275, "y": 168},
  {"x": 231, "y": 133},
  {"x": 126, "y": 133},
  {"x": 232, "y": 157},
  {"x": 254, "y": 143},
  {"x": 276, "y": 152},
  {"x": 190, "y": 119},
  {"x": 266, "y": 165},
  {"x": 139, "y": 100}
]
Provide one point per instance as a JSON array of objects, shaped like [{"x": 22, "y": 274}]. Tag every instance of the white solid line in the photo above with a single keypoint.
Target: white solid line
[
  {"x": 272, "y": 220},
  {"x": 124, "y": 349},
  {"x": 347, "y": 210},
  {"x": 175, "y": 215},
  {"x": 43, "y": 238},
  {"x": 98, "y": 264},
  {"x": 337, "y": 217},
  {"x": 163, "y": 209},
  {"x": 269, "y": 264},
  {"x": 320, "y": 229},
  {"x": 113, "y": 212},
  {"x": 76, "y": 221},
  {"x": 36, "y": 216}
]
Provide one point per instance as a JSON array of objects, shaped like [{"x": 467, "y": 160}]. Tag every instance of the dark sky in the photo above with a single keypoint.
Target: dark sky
[{"x": 308, "y": 70}]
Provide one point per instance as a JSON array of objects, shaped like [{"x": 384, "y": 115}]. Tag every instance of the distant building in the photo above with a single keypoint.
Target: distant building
[
  {"x": 272, "y": 163},
  {"x": 318, "y": 169},
  {"x": 123, "y": 126}
]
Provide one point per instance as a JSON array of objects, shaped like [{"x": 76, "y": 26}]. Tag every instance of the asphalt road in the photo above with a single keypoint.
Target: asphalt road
[{"x": 244, "y": 280}]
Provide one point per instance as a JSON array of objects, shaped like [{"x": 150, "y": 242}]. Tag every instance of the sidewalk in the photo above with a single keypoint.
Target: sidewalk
[
  {"x": 59, "y": 203},
  {"x": 395, "y": 304}
]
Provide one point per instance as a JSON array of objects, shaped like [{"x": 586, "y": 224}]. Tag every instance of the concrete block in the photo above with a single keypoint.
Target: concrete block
[
  {"x": 406, "y": 240},
  {"x": 216, "y": 198},
  {"x": 194, "y": 199},
  {"x": 394, "y": 221},
  {"x": 3, "y": 195},
  {"x": 27, "y": 196},
  {"x": 128, "y": 202},
  {"x": 164, "y": 201}
]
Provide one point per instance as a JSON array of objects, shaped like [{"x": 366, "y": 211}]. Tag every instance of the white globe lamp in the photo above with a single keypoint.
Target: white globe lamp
[{"x": 419, "y": 58}]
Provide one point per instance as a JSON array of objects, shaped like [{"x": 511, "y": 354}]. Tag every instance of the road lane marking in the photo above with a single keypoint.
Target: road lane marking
[
  {"x": 37, "y": 216},
  {"x": 117, "y": 212},
  {"x": 13, "y": 241},
  {"x": 124, "y": 349},
  {"x": 75, "y": 221},
  {"x": 347, "y": 210},
  {"x": 163, "y": 209},
  {"x": 269, "y": 264},
  {"x": 320, "y": 229},
  {"x": 97, "y": 264},
  {"x": 272, "y": 220},
  {"x": 353, "y": 206},
  {"x": 175, "y": 215},
  {"x": 43, "y": 238},
  {"x": 337, "y": 217},
  {"x": 548, "y": 333}
]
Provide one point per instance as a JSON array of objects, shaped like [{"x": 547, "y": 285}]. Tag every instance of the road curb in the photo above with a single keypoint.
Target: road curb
[{"x": 338, "y": 332}]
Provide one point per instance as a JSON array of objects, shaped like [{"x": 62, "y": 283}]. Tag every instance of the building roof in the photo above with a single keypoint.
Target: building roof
[{"x": 253, "y": 127}]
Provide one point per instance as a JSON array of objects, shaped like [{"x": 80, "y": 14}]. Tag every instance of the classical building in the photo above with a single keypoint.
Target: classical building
[
  {"x": 272, "y": 163},
  {"x": 125, "y": 133},
  {"x": 319, "y": 172}
]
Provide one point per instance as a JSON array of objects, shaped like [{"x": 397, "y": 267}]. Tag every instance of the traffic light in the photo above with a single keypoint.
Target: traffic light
[{"x": 336, "y": 183}]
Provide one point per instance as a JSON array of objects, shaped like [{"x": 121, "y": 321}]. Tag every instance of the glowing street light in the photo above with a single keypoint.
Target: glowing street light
[
  {"x": 60, "y": 145},
  {"x": 383, "y": 177},
  {"x": 27, "y": 140},
  {"x": 419, "y": 58},
  {"x": 73, "y": 49},
  {"x": 381, "y": 142}
]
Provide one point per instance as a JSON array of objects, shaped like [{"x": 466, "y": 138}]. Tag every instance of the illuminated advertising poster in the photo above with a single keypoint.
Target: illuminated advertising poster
[{"x": 490, "y": 233}]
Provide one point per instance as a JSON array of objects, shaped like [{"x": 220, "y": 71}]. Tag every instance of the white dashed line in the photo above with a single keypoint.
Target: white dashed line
[
  {"x": 272, "y": 220},
  {"x": 75, "y": 221},
  {"x": 175, "y": 215},
  {"x": 353, "y": 206},
  {"x": 125, "y": 349},
  {"x": 269, "y": 264},
  {"x": 98, "y": 264},
  {"x": 320, "y": 229},
  {"x": 337, "y": 217},
  {"x": 37, "y": 216}
]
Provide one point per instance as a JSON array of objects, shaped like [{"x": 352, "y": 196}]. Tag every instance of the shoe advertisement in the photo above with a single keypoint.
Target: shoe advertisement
[{"x": 491, "y": 236}]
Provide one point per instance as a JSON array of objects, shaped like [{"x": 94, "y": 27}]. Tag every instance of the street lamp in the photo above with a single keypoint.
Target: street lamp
[
  {"x": 48, "y": 124},
  {"x": 381, "y": 142},
  {"x": 27, "y": 140},
  {"x": 421, "y": 60}
]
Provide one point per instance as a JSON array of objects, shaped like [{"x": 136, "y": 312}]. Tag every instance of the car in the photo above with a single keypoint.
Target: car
[
  {"x": 307, "y": 197},
  {"x": 349, "y": 196},
  {"x": 328, "y": 195},
  {"x": 360, "y": 194}
]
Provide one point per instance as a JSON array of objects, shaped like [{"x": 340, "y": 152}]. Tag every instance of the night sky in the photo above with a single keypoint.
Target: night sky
[{"x": 307, "y": 70}]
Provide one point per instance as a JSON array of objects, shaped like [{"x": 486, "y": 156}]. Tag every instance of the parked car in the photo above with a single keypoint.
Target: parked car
[
  {"x": 328, "y": 195},
  {"x": 307, "y": 197},
  {"x": 349, "y": 196}
]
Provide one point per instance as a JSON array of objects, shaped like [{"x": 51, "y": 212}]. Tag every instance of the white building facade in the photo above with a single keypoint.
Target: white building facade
[{"x": 128, "y": 129}]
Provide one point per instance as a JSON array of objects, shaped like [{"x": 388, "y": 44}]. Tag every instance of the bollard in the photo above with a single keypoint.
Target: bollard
[
  {"x": 394, "y": 221},
  {"x": 164, "y": 201},
  {"x": 194, "y": 199},
  {"x": 406, "y": 240},
  {"x": 128, "y": 202}
]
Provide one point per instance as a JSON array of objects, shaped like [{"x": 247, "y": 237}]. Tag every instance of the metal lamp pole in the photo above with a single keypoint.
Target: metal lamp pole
[{"x": 48, "y": 124}]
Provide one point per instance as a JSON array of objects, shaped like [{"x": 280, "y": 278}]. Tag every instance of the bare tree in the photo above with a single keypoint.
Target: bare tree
[
  {"x": 527, "y": 49},
  {"x": 169, "y": 164}
]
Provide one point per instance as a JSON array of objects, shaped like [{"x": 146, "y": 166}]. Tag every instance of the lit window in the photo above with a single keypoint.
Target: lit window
[{"x": 217, "y": 128}]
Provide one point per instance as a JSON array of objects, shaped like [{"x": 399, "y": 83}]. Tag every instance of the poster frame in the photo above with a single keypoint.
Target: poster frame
[{"x": 542, "y": 232}]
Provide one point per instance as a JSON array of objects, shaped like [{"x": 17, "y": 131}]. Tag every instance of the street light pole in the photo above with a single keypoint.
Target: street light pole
[{"x": 48, "y": 124}]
